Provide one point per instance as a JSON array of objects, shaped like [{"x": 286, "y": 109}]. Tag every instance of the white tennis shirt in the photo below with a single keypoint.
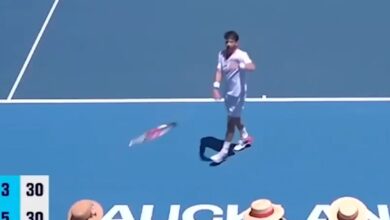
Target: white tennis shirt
[{"x": 234, "y": 79}]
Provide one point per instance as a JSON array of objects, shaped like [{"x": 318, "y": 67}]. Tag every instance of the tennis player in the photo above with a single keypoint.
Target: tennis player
[{"x": 233, "y": 63}]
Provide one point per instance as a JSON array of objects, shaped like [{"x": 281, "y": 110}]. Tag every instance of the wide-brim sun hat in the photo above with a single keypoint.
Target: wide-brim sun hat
[
  {"x": 85, "y": 210},
  {"x": 348, "y": 208},
  {"x": 264, "y": 209}
]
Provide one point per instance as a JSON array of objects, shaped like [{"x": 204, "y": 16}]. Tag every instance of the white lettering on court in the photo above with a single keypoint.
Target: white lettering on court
[
  {"x": 123, "y": 212},
  {"x": 189, "y": 214},
  {"x": 383, "y": 213}
]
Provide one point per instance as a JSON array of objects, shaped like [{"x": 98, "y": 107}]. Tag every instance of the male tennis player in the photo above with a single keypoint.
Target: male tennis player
[{"x": 233, "y": 63}]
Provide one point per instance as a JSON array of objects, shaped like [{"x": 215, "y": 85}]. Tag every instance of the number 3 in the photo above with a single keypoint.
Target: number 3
[{"x": 5, "y": 191}]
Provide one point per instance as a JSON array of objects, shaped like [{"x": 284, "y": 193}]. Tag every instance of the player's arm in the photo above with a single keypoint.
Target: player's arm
[
  {"x": 247, "y": 63},
  {"x": 218, "y": 74},
  {"x": 217, "y": 79},
  {"x": 248, "y": 66}
]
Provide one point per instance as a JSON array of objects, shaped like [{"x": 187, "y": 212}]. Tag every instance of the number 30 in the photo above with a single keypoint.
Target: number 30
[
  {"x": 35, "y": 216},
  {"x": 34, "y": 189}
]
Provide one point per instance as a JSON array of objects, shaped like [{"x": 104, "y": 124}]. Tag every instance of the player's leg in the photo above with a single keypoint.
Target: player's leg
[
  {"x": 231, "y": 126},
  {"x": 230, "y": 103},
  {"x": 222, "y": 154},
  {"x": 241, "y": 128},
  {"x": 231, "y": 107},
  {"x": 229, "y": 130},
  {"x": 245, "y": 138}
]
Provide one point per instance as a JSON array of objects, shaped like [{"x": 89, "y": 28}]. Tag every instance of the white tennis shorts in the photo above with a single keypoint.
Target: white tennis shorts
[{"x": 234, "y": 105}]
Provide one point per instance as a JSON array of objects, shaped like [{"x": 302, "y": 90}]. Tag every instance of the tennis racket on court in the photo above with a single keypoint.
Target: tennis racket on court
[{"x": 153, "y": 133}]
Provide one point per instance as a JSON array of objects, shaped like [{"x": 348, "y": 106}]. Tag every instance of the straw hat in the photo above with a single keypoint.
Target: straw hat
[
  {"x": 263, "y": 209},
  {"x": 348, "y": 208},
  {"x": 85, "y": 210}
]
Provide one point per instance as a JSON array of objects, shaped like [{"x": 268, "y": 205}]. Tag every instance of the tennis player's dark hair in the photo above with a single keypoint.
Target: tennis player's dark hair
[{"x": 231, "y": 35}]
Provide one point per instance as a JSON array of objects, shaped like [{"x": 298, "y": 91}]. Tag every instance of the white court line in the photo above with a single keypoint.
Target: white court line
[
  {"x": 189, "y": 100},
  {"x": 31, "y": 53}
]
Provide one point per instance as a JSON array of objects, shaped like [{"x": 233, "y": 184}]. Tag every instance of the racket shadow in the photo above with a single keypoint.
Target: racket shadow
[{"x": 214, "y": 144}]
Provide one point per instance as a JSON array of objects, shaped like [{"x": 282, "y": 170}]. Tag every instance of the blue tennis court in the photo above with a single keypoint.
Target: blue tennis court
[
  {"x": 305, "y": 154},
  {"x": 104, "y": 72}
]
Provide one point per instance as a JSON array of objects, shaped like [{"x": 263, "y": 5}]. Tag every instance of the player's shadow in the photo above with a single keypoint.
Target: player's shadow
[{"x": 214, "y": 144}]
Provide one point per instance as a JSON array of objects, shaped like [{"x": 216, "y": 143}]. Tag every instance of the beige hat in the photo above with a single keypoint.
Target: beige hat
[
  {"x": 85, "y": 210},
  {"x": 348, "y": 208},
  {"x": 263, "y": 209}
]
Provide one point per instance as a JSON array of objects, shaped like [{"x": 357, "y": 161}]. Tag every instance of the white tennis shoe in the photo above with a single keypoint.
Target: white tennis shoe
[
  {"x": 220, "y": 156},
  {"x": 243, "y": 143}
]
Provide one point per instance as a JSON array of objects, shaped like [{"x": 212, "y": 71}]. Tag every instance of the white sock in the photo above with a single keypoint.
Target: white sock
[
  {"x": 244, "y": 133},
  {"x": 226, "y": 146}
]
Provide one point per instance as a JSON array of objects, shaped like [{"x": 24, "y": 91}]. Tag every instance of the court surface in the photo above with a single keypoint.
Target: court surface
[{"x": 98, "y": 76}]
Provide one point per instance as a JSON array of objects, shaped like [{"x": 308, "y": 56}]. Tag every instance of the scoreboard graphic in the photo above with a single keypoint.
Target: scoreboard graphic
[{"x": 24, "y": 197}]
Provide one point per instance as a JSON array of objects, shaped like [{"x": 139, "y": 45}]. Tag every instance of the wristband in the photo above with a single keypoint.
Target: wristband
[
  {"x": 216, "y": 85},
  {"x": 242, "y": 65}
]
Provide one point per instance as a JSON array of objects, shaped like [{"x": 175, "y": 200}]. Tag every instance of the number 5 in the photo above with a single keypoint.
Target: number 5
[{"x": 5, "y": 215}]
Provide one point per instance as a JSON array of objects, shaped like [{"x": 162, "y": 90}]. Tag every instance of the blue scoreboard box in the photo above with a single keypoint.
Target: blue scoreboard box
[{"x": 24, "y": 197}]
